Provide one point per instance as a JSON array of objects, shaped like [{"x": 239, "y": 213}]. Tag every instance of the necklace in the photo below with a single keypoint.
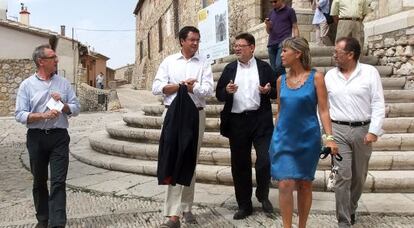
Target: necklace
[{"x": 296, "y": 81}]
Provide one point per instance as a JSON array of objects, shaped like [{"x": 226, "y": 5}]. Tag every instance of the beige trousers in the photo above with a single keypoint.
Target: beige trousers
[
  {"x": 179, "y": 198},
  {"x": 322, "y": 32},
  {"x": 348, "y": 28}
]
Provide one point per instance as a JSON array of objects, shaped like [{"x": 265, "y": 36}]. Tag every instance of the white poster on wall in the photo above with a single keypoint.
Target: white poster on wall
[{"x": 213, "y": 22}]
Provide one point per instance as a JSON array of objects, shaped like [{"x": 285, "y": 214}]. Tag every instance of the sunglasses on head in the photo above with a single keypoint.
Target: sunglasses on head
[{"x": 327, "y": 151}]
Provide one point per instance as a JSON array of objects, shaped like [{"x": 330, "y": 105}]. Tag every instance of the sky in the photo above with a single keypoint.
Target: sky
[{"x": 87, "y": 16}]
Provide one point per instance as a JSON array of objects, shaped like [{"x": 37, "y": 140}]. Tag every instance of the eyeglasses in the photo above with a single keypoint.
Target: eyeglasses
[
  {"x": 336, "y": 52},
  {"x": 50, "y": 57},
  {"x": 273, "y": 1},
  {"x": 235, "y": 46}
]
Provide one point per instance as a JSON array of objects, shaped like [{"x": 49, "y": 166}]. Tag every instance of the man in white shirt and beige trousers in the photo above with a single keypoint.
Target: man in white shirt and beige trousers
[
  {"x": 357, "y": 111},
  {"x": 189, "y": 68}
]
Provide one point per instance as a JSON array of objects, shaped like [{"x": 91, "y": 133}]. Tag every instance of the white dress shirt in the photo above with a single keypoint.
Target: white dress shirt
[
  {"x": 247, "y": 97},
  {"x": 176, "y": 68},
  {"x": 359, "y": 98}
]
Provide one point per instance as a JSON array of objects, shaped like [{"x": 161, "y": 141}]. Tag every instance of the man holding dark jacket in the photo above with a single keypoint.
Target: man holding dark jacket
[
  {"x": 185, "y": 68},
  {"x": 246, "y": 86}
]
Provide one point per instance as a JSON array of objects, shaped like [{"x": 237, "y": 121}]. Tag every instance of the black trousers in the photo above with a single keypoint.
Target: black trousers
[
  {"x": 245, "y": 130},
  {"x": 49, "y": 147}
]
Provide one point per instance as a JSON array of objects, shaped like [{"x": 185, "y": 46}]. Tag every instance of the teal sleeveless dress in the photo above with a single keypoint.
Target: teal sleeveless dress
[{"x": 296, "y": 141}]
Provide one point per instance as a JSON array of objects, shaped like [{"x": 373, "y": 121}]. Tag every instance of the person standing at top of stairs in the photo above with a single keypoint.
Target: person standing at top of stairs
[
  {"x": 280, "y": 24},
  {"x": 189, "y": 68},
  {"x": 349, "y": 15},
  {"x": 246, "y": 86},
  {"x": 357, "y": 111}
]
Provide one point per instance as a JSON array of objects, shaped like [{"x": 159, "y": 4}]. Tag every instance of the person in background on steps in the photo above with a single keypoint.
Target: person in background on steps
[
  {"x": 280, "y": 24},
  {"x": 246, "y": 86},
  {"x": 349, "y": 15},
  {"x": 357, "y": 111},
  {"x": 47, "y": 135},
  {"x": 188, "y": 68},
  {"x": 100, "y": 81},
  {"x": 320, "y": 22},
  {"x": 296, "y": 142}
]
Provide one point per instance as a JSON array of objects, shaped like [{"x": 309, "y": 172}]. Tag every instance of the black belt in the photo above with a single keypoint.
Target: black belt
[
  {"x": 199, "y": 108},
  {"x": 246, "y": 113},
  {"x": 350, "y": 18},
  {"x": 47, "y": 131},
  {"x": 352, "y": 124}
]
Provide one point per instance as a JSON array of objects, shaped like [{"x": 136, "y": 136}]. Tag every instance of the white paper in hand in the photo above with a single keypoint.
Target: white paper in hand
[{"x": 52, "y": 104}]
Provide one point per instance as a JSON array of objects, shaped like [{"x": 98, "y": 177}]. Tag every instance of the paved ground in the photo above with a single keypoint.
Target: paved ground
[{"x": 102, "y": 198}]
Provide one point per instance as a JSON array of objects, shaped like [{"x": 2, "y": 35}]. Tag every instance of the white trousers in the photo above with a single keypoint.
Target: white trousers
[{"x": 179, "y": 198}]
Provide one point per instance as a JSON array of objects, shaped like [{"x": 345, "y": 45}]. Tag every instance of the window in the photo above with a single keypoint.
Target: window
[
  {"x": 141, "y": 51},
  {"x": 176, "y": 18},
  {"x": 149, "y": 44},
  {"x": 160, "y": 36}
]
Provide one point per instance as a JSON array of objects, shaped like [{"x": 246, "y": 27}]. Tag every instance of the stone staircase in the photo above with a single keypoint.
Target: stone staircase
[{"x": 132, "y": 145}]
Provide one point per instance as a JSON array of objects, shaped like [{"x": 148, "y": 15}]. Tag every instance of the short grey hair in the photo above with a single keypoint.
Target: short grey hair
[
  {"x": 301, "y": 45},
  {"x": 39, "y": 53}
]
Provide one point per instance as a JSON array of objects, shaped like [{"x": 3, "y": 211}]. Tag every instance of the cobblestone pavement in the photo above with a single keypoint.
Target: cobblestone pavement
[{"x": 100, "y": 209}]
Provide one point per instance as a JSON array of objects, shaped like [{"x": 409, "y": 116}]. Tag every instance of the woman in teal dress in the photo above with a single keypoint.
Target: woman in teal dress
[{"x": 296, "y": 141}]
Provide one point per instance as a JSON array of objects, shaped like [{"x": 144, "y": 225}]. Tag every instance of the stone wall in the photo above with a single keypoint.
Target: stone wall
[
  {"x": 89, "y": 98},
  {"x": 12, "y": 73},
  {"x": 395, "y": 49}
]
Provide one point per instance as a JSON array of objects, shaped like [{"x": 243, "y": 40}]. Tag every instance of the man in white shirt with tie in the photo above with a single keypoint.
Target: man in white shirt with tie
[{"x": 357, "y": 111}]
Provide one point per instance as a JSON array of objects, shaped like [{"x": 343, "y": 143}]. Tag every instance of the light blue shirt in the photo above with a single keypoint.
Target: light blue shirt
[
  {"x": 319, "y": 11},
  {"x": 33, "y": 95}
]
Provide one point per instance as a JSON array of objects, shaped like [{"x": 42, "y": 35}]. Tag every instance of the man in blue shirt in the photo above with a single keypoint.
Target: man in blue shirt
[{"x": 47, "y": 135}]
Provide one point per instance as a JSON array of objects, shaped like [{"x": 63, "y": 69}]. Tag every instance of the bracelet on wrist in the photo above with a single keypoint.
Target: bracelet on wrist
[{"x": 327, "y": 137}]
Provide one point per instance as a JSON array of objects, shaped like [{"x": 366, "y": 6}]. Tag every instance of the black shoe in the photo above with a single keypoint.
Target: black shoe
[
  {"x": 242, "y": 213},
  {"x": 42, "y": 224},
  {"x": 267, "y": 206},
  {"x": 353, "y": 219}
]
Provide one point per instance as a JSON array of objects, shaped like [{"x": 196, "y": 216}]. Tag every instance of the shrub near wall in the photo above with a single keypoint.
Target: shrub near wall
[{"x": 12, "y": 73}]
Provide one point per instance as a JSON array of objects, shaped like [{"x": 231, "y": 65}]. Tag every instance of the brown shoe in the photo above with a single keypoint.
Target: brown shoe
[
  {"x": 189, "y": 218},
  {"x": 171, "y": 224}
]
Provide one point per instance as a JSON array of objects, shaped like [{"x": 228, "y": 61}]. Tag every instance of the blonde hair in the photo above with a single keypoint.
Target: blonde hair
[{"x": 301, "y": 45}]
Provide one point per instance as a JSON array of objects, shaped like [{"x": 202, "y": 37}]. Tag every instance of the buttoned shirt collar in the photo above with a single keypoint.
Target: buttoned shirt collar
[{"x": 248, "y": 64}]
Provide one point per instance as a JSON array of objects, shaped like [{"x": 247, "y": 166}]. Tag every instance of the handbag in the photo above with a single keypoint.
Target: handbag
[{"x": 330, "y": 184}]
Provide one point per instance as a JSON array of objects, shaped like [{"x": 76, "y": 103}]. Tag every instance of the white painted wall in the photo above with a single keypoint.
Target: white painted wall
[{"x": 18, "y": 45}]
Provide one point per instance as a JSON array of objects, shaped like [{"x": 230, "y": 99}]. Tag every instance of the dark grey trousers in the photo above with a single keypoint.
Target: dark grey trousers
[
  {"x": 49, "y": 148},
  {"x": 353, "y": 169}
]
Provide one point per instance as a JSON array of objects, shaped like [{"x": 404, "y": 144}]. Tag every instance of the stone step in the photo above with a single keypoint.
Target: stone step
[
  {"x": 391, "y": 96},
  {"x": 384, "y": 71},
  {"x": 316, "y": 53},
  {"x": 395, "y": 83},
  {"x": 102, "y": 142},
  {"x": 119, "y": 130},
  {"x": 211, "y": 110},
  {"x": 377, "y": 181},
  {"x": 391, "y": 110},
  {"x": 391, "y": 125}
]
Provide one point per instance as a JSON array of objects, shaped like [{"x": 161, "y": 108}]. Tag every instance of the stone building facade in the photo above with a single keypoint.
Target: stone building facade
[
  {"x": 12, "y": 73},
  {"x": 156, "y": 33}
]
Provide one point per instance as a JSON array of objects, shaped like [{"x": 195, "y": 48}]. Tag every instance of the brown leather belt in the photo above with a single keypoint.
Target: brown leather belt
[
  {"x": 350, "y": 18},
  {"x": 199, "y": 108}
]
